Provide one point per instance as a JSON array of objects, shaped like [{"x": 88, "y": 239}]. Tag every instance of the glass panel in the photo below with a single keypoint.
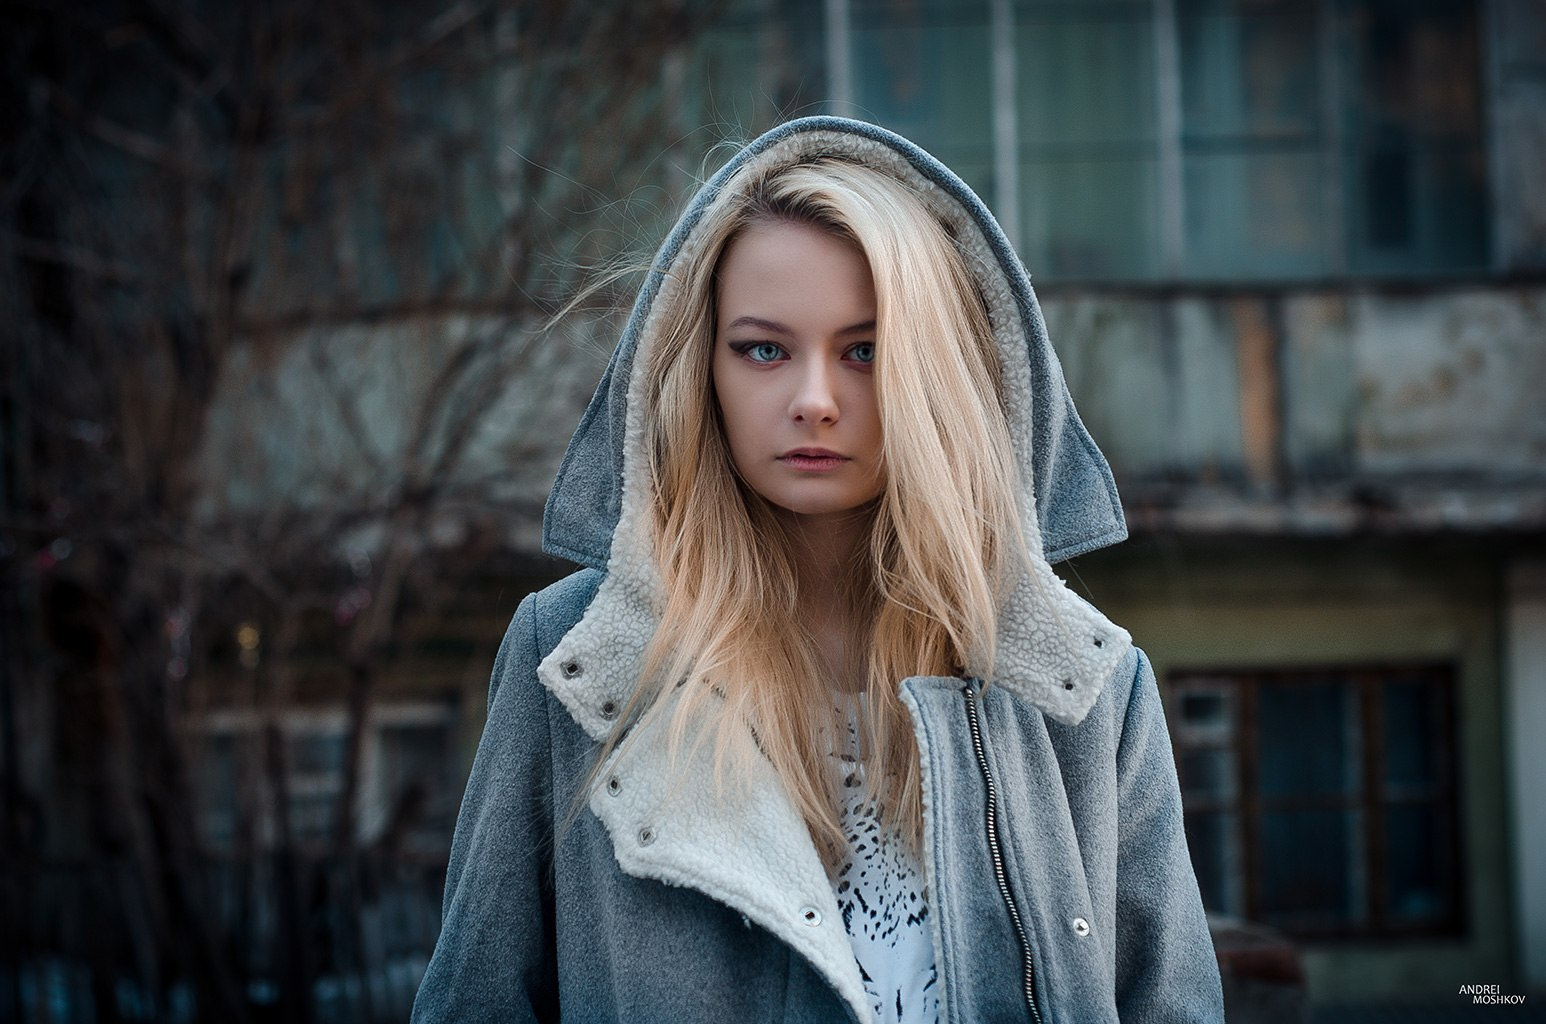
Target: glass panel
[
  {"x": 1208, "y": 772},
  {"x": 1214, "y": 843},
  {"x": 1086, "y": 75},
  {"x": 1416, "y": 177},
  {"x": 1251, "y": 143},
  {"x": 1205, "y": 708},
  {"x": 1092, "y": 219},
  {"x": 311, "y": 814},
  {"x": 1307, "y": 860},
  {"x": 416, "y": 770},
  {"x": 316, "y": 764},
  {"x": 316, "y": 754},
  {"x": 1411, "y": 760},
  {"x": 1307, "y": 743},
  {"x": 1248, "y": 69},
  {"x": 1415, "y": 855},
  {"x": 1253, "y": 213},
  {"x": 218, "y": 779},
  {"x": 1086, "y": 101},
  {"x": 1204, "y": 716},
  {"x": 922, "y": 69}
]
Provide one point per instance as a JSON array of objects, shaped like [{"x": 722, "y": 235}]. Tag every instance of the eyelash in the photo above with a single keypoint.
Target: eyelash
[{"x": 746, "y": 348}]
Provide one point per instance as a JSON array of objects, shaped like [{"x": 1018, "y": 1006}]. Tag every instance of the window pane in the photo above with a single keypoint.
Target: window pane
[
  {"x": 219, "y": 780},
  {"x": 316, "y": 754},
  {"x": 1214, "y": 841},
  {"x": 1410, "y": 757},
  {"x": 1086, "y": 75},
  {"x": 922, "y": 69},
  {"x": 1308, "y": 866},
  {"x": 1248, "y": 69},
  {"x": 1205, "y": 709},
  {"x": 1208, "y": 772},
  {"x": 1415, "y": 852},
  {"x": 1091, "y": 218},
  {"x": 1089, "y": 169},
  {"x": 1254, "y": 212},
  {"x": 1251, "y": 139},
  {"x": 1415, "y": 173},
  {"x": 1204, "y": 713},
  {"x": 1307, "y": 743},
  {"x": 416, "y": 777}
]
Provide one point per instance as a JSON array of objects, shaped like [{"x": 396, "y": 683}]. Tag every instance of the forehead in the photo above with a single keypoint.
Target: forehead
[{"x": 780, "y": 270}]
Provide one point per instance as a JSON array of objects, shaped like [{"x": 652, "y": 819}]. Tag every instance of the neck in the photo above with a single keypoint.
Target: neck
[{"x": 824, "y": 548}]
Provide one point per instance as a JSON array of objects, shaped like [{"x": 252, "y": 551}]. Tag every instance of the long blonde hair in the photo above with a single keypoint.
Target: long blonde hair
[{"x": 943, "y": 539}]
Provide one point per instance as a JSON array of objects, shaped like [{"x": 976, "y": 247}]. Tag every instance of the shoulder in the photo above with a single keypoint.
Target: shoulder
[
  {"x": 542, "y": 619},
  {"x": 1127, "y": 715},
  {"x": 558, "y": 606}
]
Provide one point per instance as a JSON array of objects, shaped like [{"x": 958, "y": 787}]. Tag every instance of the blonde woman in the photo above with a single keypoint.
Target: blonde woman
[{"x": 819, "y": 735}]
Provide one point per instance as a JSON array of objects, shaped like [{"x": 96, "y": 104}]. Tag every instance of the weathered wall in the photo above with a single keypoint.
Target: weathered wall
[
  {"x": 1316, "y": 410},
  {"x": 334, "y": 419}
]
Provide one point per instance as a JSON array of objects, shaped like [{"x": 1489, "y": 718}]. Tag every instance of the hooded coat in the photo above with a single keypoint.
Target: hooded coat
[{"x": 1059, "y": 884}]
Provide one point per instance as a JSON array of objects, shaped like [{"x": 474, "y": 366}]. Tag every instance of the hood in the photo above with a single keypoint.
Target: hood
[
  {"x": 1054, "y": 650},
  {"x": 1076, "y": 504}
]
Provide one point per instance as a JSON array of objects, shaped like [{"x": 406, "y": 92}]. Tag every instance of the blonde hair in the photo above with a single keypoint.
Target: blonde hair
[{"x": 944, "y": 537}]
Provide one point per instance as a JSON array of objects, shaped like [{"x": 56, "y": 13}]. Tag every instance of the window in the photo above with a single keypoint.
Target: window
[
  {"x": 1204, "y": 139},
  {"x": 407, "y": 795},
  {"x": 1322, "y": 802}
]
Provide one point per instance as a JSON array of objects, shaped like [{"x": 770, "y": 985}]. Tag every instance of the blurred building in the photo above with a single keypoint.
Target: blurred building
[{"x": 1293, "y": 255}]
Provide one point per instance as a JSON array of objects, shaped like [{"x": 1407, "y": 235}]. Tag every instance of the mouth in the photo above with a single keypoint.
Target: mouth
[{"x": 812, "y": 458}]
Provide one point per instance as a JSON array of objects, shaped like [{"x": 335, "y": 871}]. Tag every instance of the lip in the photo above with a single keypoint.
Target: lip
[{"x": 817, "y": 459}]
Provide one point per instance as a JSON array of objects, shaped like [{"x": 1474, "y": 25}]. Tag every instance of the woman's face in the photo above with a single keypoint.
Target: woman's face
[{"x": 794, "y": 352}]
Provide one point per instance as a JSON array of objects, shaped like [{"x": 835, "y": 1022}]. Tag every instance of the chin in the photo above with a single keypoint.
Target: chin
[{"x": 809, "y": 505}]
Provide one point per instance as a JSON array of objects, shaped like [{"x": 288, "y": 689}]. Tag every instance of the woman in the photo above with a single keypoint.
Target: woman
[{"x": 819, "y": 735}]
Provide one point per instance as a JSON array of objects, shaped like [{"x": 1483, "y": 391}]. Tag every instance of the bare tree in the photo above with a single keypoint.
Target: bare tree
[{"x": 195, "y": 194}]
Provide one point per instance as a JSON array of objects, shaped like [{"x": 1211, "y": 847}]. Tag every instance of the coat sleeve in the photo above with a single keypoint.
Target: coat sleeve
[
  {"x": 1165, "y": 964},
  {"x": 494, "y": 959}
]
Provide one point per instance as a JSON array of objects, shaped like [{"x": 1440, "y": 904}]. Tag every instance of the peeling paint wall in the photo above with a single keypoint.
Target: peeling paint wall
[{"x": 1264, "y": 398}]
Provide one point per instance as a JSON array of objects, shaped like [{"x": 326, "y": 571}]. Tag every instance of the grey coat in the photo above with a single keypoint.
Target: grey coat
[{"x": 1058, "y": 878}]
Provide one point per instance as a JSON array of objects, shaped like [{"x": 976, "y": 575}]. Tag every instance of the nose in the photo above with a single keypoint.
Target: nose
[{"x": 815, "y": 397}]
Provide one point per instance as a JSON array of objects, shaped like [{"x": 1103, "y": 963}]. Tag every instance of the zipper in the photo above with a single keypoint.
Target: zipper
[{"x": 998, "y": 858}]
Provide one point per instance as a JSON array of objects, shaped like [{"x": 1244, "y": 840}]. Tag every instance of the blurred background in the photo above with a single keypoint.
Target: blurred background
[{"x": 281, "y": 402}]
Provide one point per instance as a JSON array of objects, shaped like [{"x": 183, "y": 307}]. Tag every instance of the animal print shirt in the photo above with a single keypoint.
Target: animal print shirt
[{"x": 881, "y": 891}]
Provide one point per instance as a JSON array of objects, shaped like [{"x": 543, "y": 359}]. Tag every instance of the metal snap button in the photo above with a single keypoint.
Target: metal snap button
[
  {"x": 609, "y": 710},
  {"x": 1081, "y": 927},
  {"x": 614, "y": 785},
  {"x": 1068, "y": 684},
  {"x": 570, "y": 669},
  {"x": 1100, "y": 641},
  {"x": 646, "y": 836},
  {"x": 811, "y": 916}
]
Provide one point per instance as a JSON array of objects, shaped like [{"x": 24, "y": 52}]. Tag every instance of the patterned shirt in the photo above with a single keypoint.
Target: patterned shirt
[{"x": 882, "y": 893}]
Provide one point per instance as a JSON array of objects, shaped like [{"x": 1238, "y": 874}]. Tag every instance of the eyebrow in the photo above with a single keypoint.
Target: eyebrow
[{"x": 778, "y": 328}]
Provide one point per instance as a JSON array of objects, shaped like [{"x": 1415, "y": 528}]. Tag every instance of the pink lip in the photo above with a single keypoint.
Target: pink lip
[{"x": 812, "y": 458}]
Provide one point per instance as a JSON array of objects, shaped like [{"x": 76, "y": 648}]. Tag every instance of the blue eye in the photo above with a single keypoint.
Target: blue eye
[
  {"x": 864, "y": 352},
  {"x": 763, "y": 352}
]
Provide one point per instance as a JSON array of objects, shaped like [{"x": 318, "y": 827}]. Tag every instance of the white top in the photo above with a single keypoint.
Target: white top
[{"x": 881, "y": 891}]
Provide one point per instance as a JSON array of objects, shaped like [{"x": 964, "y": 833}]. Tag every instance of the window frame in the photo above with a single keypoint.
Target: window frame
[{"x": 1367, "y": 805}]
